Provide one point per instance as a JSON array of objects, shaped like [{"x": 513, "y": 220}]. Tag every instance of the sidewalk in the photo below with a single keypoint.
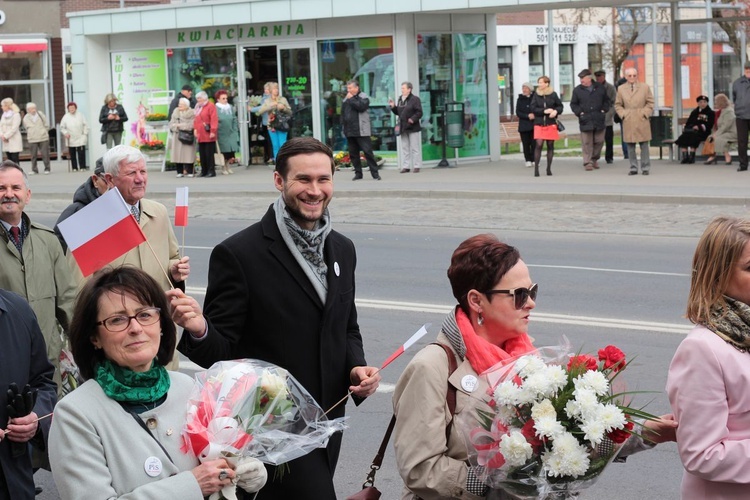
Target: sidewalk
[{"x": 504, "y": 179}]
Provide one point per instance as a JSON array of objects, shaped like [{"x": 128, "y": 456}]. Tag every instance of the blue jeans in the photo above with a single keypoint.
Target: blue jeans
[{"x": 278, "y": 139}]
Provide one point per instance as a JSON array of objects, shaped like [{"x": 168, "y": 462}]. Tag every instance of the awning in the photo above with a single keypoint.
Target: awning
[{"x": 23, "y": 45}]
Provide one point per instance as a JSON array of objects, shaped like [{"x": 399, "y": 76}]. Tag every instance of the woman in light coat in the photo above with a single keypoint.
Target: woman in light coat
[
  {"x": 275, "y": 106},
  {"x": 74, "y": 128},
  {"x": 183, "y": 155},
  {"x": 10, "y": 130},
  {"x": 725, "y": 129},
  {"x": 487, "y": 327},
  {"x": 408, "y": 109},
  {"x": 709, "y": 377},
  {"x": 229, "y": 130}
]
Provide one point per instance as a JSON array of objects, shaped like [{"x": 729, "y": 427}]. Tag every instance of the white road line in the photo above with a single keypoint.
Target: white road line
[
  {"x": 560, "y": 319},
  {"x": 605, "y": 270}
]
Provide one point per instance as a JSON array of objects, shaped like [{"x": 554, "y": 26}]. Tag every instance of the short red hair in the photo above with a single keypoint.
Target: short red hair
[
  {"x": 71, "y": 103},
  {"x": 220, "y": 93}
]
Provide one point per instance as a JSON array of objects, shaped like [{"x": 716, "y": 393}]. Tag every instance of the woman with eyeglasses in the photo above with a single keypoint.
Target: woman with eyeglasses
[
  {"x": 489, "y": 325},
  {"x": 119, "y": 434}
]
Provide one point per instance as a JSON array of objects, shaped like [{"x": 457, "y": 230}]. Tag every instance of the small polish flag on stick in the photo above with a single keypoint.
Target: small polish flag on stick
[
  {"x": 181, "y": 207},
  {"x": 412, "y": 340},
  {"x": 101, "y": 232}
]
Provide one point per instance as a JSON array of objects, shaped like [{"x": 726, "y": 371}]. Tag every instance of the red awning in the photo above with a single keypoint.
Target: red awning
[{"x": 23, "y": 45}]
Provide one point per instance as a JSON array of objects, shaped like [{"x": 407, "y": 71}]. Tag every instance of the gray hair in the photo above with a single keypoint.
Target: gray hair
[
  {"x": 201, "y": 95},
  {"x": 30, "y": 105},
  {"x": 110, "y": 97},
  {"x": 11, "y": 165},
  {"x": 353, "y": 82},
  {"x": 117, "y": 155},
  {"x": 185, "y": 101},
  {"x": 408, "y": 85}
]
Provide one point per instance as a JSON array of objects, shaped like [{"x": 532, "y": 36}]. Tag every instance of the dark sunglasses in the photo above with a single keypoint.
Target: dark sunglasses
[{"x": 520, "y": 295}]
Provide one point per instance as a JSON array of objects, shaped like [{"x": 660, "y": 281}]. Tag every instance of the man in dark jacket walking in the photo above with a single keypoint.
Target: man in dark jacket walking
[
  {"x": 741, "y": 94},
  {"x": 609, "y": 116},
  {"x": 356, "y": 123},
  {"x": 590, "y": 104},
  {"x": 95, "y": 186}
]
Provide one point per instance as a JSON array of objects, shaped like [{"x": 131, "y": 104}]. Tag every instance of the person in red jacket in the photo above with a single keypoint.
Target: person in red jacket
[{"x": 206, "y": 127}]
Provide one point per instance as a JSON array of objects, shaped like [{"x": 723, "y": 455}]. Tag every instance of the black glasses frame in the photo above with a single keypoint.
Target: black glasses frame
[
  {"x": 520, "y": 295},
  {"x": 131, "y": 318}
]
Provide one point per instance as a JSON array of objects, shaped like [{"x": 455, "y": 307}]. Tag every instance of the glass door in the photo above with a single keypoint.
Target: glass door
[{"x": 296, "y": 84}]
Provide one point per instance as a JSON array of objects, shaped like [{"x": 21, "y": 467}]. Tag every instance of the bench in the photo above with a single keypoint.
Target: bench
[
  {"x": 669, "y": 143},
  {"x": 509, "y": 134}
]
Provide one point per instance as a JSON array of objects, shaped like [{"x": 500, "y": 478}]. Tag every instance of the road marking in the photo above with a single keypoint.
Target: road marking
[
  {"x": 560, "y": 319},
  {"x": 605, "y": 270}
]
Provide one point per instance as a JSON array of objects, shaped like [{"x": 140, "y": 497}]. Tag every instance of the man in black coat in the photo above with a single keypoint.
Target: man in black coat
[
  {"x": 23, "y": 360},
  {"x": 355, "y": 120},
  {"x": 187, "y": 93},
  {"x": 590, "y": 104},
  {"x": 282, "y": 290}
]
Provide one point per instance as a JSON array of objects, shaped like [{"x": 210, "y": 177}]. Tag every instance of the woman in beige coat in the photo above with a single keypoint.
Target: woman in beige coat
[
  {"x": 725, "y": 129},
  {"x": 75, "y": 129},
  {"x": 10, "y": 130},
  {"x": 182, "y": 155},
  {"x": 489, "y": 326}
]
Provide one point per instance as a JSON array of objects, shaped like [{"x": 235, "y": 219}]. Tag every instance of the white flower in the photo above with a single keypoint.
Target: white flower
[
  {"x": 273, "y": 385},
  {"x": 567, "y": 457},
  {"x": 507, "y": 394},
  {"x": 527, "y": 365},
  {"x": 593, "y": 431},
  {"x": 543, "y": 409},
  {"x": 557, "y": 377},
  {"x": 612, "y": 417},
  {"x": 548, "y": 427},
  {"x": 515, "y": 449},
  {"x": 505, "y": 414},
  {"x": 594, "y": 381},
  {"x": 586, "y": 403}
]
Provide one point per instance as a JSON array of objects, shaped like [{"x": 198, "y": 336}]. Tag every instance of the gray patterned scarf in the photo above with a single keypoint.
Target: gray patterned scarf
[
  {"x": 306, "y": 246},
  {"x": 732, "y": 323}
]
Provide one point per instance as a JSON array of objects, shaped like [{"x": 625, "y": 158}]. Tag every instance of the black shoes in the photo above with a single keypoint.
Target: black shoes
[
  {"x": 378, "y": 178},
  {"x": 633, "y": 172},
  {"x": 742, "y": 169},
  {"x": 645, "y": 172},
  {"x": 357, "y": 177}
]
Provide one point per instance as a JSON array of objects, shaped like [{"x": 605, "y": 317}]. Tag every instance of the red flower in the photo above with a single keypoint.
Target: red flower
[
  {"x": 613, "y": 358},
  {"x": 583, "y": 363},
  {"x": 529, "y": 433},
  {"x": 621, "y": 435}
]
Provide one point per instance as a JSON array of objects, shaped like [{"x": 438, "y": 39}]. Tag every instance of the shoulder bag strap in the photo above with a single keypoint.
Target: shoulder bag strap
[{"x": 450, "y": 394}]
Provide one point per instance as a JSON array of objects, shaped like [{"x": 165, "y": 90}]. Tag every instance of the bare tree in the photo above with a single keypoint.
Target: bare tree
[{"x": 732, "y": 27}]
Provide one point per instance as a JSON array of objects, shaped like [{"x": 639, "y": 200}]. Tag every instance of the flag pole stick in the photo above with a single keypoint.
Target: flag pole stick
[
  {"x": 182, "y": 254},
  {"x": 348, "y": 394},
  {"x": 169, "y": 280}
]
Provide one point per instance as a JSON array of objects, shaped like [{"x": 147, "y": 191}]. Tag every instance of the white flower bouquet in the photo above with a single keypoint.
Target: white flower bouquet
[
  {"x": 551, "y": 424},
  {"x": 254, "y": 100},
  {"x": 253, "y": 408}
]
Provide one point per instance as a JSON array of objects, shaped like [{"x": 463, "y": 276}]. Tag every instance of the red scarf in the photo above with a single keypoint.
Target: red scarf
[{"x": 483, "y": 355}]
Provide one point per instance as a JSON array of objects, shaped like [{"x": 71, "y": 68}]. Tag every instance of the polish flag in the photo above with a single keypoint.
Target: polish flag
[
  {"x": 412, "y": 340},
  {"x": 181, "y": 207},
  {"x": 101, "y": 232}
]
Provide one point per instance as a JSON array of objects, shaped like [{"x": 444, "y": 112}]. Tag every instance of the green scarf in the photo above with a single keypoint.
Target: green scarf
[
  {"x": 732, "y": 323},
  {"x": 123, "y": 384}
]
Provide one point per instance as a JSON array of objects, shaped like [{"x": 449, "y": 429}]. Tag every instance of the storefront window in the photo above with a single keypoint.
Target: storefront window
[
  {"x": 203, "y": 68},
  {"x": 453, "y": 68},
  {"x": 567, "y": 82},
  {"x": 536, "y": 62},
  {"x": 370, "y": 62},
  {"x": 505, "y": 80},
  {"x": 595, "y": 57}
]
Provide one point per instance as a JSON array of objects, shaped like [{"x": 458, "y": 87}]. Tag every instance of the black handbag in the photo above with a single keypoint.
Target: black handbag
[
  {"x": 560, "y": 126},
  {"x": 186, "y": 136},
  {"x": 281, "y": 122}
]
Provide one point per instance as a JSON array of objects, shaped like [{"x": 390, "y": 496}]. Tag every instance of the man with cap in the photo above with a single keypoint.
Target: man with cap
[
  {"x": 91, "y": 189},
  {"x": 590, "y": 104},
  {"x": 697, "y": 129},
  {"x": 609, "y": 116},
  {"x": 741, "y": 97},
  {"x": 634, "y": 105},
  {"x": 187, "y": 93}
]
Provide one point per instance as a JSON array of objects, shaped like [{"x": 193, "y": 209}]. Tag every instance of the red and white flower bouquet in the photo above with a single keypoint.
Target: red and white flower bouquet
[
  {"x": 253, "y": 408},
  {"x": 551, "y": 423}
]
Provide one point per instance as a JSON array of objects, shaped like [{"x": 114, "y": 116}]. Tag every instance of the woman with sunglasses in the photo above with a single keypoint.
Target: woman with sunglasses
[
  {"x": 119, "y": 433},
  {"x": 489, "y": 325}
]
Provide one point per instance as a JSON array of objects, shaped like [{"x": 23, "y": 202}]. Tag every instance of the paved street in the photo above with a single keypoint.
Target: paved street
[{"x": 582, "y": 233}]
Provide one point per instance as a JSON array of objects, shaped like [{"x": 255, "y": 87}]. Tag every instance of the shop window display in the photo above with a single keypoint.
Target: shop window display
[
  {"x": 453, "y": 68},
  {"x": 370, "y": 62},
  {"x": 204, "y": 68}
]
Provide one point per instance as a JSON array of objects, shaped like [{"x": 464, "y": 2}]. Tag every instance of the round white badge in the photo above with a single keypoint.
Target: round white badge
[
  {"x": 336, "y": 269},
  {"x": 152, "y": 466},
  {"x": 469, "y": 383}
]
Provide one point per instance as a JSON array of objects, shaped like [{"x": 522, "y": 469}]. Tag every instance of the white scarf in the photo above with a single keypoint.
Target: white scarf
[{"x": 224, "y": 108}]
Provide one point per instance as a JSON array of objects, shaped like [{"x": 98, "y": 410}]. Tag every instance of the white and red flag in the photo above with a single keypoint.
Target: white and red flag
[
  {"x": 412, "y": 340},
  {"x": 181, "y": 207},
  {"x": 101, "y": 232}
]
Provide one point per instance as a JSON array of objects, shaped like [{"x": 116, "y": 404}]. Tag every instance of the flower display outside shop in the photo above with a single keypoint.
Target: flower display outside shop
[
  {"x": 551, "y": 423},
  {"x": 152, "y": 145},
  {"x": 156, "y": 117},
  {"x": 343, "y": 160}
]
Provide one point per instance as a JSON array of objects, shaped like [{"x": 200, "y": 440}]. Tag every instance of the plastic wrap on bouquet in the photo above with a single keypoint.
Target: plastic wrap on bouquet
[
  {"x": 549, "y": 423},
  {"x": 254, "y": 408}
]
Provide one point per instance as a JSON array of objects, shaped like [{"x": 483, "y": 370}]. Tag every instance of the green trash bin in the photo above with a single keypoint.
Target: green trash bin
[{"x": 454, "y": 119}]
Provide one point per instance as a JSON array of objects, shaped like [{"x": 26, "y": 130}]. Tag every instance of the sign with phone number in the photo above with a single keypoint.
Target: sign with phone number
[{"x": 560, "y": 34}]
